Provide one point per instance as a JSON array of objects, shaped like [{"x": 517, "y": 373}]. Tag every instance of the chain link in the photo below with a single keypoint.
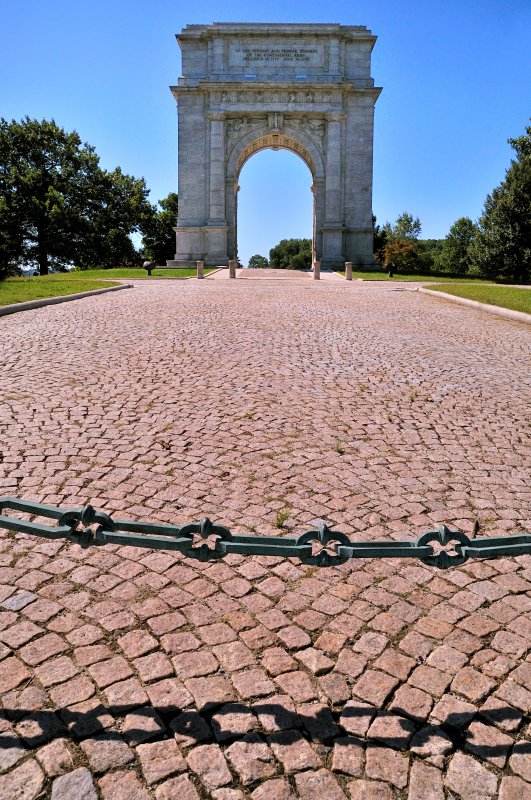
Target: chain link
[{"x": 207, "y": 541}]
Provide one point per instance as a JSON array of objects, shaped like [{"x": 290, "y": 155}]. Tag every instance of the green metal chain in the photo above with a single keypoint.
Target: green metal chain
[{"x": 206, "y": 541}]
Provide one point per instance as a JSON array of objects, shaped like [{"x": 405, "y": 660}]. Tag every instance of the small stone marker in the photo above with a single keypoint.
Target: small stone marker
[
  {"x": 232, "y": 268},
  {"x": 200, "y": 269},
  {"x": 348, "y": 270},
  {"x": 317, "y": 270}
]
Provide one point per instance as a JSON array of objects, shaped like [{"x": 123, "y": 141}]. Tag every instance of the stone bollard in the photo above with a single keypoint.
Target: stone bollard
[
  {"x": 232, "y": 268},
  {"x": 200, "y": 269},
  {"x": 317, "y": 270},
  {"x": 348, "y": 270}
]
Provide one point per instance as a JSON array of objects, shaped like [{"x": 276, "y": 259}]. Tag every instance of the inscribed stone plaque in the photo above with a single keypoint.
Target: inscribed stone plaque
[{"x": 266, "y": 53}]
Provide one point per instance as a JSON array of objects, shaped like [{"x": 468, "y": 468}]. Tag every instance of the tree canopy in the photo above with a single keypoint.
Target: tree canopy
[
  {"x": 258, "y": 262},
  {"x": 455, "y": 253},
  {"x": 291, "y": 254},
  {"x": 158, "y": 234},
  {"x": 502, "y": 246},
  {"x": 58, "y": 206},
  {"x": 400, "y": 246}
]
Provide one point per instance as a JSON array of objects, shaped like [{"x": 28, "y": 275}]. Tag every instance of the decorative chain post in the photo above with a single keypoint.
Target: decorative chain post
[{"x": 321, "y": 547}]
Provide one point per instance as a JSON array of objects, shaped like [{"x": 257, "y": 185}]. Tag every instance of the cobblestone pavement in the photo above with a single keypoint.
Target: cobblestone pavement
[{"x": 134, "y": 674}]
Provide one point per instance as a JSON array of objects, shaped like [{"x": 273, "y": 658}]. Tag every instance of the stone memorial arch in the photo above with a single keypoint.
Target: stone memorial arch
[{"x": 300, "y": 87}]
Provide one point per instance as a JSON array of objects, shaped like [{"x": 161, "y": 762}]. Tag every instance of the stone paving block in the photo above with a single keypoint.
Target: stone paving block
[
  {"x": 472, "y": 684},
  {"x": 141, "y": 725},
  {"x": 190, "y": 728},
  {"x": 11, "y": 750},
  {"x": 106, "y": 752},
  {"x": 374, "y": 686},
  {"x": 512, "y": 787},
  {"x": 78, "y": 784},
  {"x": 208, "y": 762},
  {"x": 55, "y": 758},
  {"x": 252, "y": 683},
  {"x": 412, "y": 702},
  {"x": 315, "y": 785},
  {"x": 275, "y": 789},
  {"x": 470, "y": 779},
  {"x": 23, "y": 782},
  {"x": 194, "y": 664},
  {"x": 356, "y": 717},
  {"x": 85, "y": 635},
  {"x": 251, "y": 758},
  {"x": 137, "y": 643},
  {"x": 232, "y": 721},
  {"x": 126, "y": 694},
  {"x": 348, "y": 756},
  {"x": 160, "y": 760},
  {"x": 297, "y": 685},
  {"x": 315, "y": 660},
  {"x": 425, "y": 783},
  {"x": 276, "y": 713},
  {"x": 181, "y": 788},
  {"x": 208, "y": 692},
  {"x": 391, "y": 729},
  {"x": 116, "y": 785},
  {"x": 370, "y": 790},
  {"x": 520, "y": 760},
  {"x": 488, "y": 743},
  {"x": 12, "y": 674},
  {"x": 387, "y": 765}
]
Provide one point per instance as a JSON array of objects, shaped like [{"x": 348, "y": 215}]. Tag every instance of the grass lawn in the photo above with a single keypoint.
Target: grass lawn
[
  {"x": 382, "y": 276},
  {"x": 504, "y": 296},
  {"x": 126, "y": 272},
  {"x": 20, "y": 290}
]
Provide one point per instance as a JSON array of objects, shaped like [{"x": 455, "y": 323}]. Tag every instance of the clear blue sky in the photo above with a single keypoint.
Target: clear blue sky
[{"x": 456, "y": 80}]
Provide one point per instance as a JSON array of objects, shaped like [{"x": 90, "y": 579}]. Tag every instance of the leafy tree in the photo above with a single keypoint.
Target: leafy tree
[
  {"x": 57, "y": 206},
  {"x": 291, "y": 254},
  {"x": 379, "y": 240},
  {"x": 428, "y": 251},
  {"x": 502, "y": 246},
  {"x": 158, "y": 230},
  {"x": 258, "y": 262},
  {"x": 406, "y": 227},
  {"x": 455, "y": 254},
  {"x": 403, "y": 255},
  {"x": 401, "y": 243}
]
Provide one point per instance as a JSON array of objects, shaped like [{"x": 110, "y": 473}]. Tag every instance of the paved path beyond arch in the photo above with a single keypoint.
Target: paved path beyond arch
[{"x": 262, "y": 403}]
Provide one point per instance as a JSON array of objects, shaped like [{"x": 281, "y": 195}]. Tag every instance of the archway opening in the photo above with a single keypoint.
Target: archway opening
[{"x": 274, "y": 202}]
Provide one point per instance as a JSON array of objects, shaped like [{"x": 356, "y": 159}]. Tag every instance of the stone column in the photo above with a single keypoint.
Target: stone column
[
  {"x": 333, "y": 168},
  {"x": 217, "y": 168},
  {"x": 333, "y": 57}
]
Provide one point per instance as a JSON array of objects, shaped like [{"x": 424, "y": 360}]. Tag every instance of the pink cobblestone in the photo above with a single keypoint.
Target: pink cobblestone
[{"x": 228, "y": 399}]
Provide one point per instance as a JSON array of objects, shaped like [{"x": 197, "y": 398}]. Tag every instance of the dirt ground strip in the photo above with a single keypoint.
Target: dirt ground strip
[{"x": 134, "y": 674}]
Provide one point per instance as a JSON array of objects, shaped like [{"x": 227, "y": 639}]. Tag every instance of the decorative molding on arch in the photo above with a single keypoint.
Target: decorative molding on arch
[
  {"x": 262, "y": 139},
  {"x": 275, "y": 141}
]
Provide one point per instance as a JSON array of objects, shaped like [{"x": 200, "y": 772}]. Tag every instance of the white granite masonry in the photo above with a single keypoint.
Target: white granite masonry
[{"x": 300, "y": 87}]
